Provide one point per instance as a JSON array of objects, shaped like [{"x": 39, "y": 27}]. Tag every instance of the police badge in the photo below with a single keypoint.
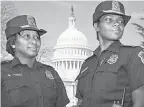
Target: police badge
[
  {"x": 49, "y": 74},
  {"x": 112, "y": 59},
  {"x": 141, "y": 55},
  {"x": 31, "y": 21}
]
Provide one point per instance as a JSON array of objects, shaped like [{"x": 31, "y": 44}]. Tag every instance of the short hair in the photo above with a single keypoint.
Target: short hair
[
  {"x": 98, "y": 22},
  {"x": 11, "y": 41}
]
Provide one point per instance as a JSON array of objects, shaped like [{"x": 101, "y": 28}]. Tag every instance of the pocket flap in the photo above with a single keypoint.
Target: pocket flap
[
  {"x": 112, "y": 69},
  {"x": 10, "y": 84},
  {"x": 108, "y": 68},
  {"x": 49, "y": 84}
]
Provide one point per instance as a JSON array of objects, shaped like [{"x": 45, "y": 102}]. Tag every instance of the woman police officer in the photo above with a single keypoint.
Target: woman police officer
[
  {"x": 25, "y": 81},
  {"x": 115, "y": 72}
]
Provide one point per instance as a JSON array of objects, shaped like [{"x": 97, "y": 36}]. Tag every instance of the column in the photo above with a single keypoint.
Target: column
[
  {"x": 74, "y": 65},
  {"x": 66, "y": 64},
  {"x": 72, "y": 62},
  {"x": 69, "y": 64},
  {"x": 57, "y": 65},
  {"x": 79, "y": 64}
]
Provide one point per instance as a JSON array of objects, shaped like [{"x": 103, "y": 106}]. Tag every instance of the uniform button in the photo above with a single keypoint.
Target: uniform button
[
  {"x": 40, "y": 96},
  {"x": 106, "y": 69},
  {"x": 87, "y": 98},
  {"x": 37, "y": 82},
  {"x": 17, "y": 86}
]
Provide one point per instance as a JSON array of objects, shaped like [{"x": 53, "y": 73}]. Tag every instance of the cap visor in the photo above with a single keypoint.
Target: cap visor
[
  {"x": 13, "y": 30},
  {"x": 40, "y": 31}
]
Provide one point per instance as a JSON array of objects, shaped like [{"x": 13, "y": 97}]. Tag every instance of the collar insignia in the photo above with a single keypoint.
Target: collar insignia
[{"x": 9, "y": 75}]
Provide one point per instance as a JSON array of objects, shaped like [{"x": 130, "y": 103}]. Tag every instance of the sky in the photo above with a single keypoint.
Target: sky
[{"x": 53, "y": 17}]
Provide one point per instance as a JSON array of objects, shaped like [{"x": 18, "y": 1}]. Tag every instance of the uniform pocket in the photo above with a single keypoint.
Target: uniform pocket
[
  {"x": 13, "y": 91},
  {"x": 112, "y": 69},
  {"x": 13, "y": 85},
  {"x": 19, "y": 91},
  {"x": 49, "y": 90},
  {"x": 49, "y": 84},
  {"x": 110, "y": 74}
]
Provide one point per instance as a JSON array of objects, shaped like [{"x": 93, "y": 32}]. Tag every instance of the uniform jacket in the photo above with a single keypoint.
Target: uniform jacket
[
  {"x": 103, "y": 77},
  {"x": 39, "y": 86}
]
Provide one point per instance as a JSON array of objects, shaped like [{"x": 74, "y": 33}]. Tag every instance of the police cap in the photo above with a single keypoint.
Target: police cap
[
  {"x": 110, "y": 7},
  {"x": 22, "y": 22}
]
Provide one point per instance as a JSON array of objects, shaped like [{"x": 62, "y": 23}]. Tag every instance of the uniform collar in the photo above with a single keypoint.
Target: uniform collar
[
  {"x": 114, "y": 47},
  {"x": 16, "y": 61}
]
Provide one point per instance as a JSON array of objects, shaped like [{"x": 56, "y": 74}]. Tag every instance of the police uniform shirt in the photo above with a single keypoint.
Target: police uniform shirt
[
  {"x": 39, "y": 86},
  {"x": 104, "y": 77}
]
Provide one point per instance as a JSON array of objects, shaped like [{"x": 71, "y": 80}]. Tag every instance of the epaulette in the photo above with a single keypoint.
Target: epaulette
[
  {"x": 89, "y": 58},
  {"x": 46, "y": 66},
  {"x": 128, "y": 46},
  {"x": 5, "y": 61},
  {"x": 134, "y": 47}
]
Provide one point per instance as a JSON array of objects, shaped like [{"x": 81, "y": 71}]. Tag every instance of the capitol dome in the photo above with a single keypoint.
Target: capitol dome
[
  {"x": 70, "y": 51},
  {"x": 72, "y": 36}
]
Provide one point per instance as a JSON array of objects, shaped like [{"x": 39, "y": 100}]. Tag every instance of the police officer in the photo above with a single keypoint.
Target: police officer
[
  {"x": 114, "y": 75},
  {"x": 25, "y": 81}
]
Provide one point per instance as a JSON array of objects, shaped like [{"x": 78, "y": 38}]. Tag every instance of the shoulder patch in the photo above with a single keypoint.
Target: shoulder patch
[
  {"x": 49, "y": 74},
  {"x": 128, "y": 46},
  {"x": 141, "y": 55},
  {"x": 46, "y": 66},
  {"x": 49, "y": 71}
]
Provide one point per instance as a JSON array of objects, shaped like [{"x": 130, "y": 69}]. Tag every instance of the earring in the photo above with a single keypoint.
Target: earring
[{"x": 13, "y": 46}]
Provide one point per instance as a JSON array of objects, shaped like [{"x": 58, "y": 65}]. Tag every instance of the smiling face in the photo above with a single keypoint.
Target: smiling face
[
  {"x": 110, "y": 27},
  {"x": 27, "y": 44}
]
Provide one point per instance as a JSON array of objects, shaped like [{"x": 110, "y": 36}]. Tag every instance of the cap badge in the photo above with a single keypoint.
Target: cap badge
[
  {"x": 115, "y": 6},
  {"x": 31, "y": 21}
]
